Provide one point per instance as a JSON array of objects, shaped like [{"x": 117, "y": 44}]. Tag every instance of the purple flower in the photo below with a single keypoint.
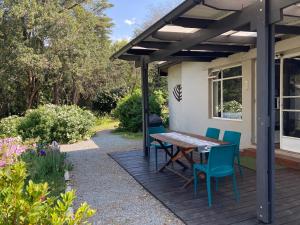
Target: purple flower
[{"x": 42, "y": 152}]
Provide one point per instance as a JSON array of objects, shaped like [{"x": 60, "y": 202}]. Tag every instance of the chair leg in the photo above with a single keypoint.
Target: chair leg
[
  {"x": 236, "y": 192},
  {"x": 156, "y": 159},
  {"x": 216, "y": 181},
  {"x": 208, "y": 187},
  {"x": 166, "y": 157},
  {"x": 239, "y": 164},
  {"x": 195, "y": 181}
]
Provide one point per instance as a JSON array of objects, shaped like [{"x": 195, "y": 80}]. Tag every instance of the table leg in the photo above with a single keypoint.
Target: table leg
[{"x": 172, "y": 156}]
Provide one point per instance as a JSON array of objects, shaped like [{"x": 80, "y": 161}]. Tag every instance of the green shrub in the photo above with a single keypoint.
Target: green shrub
[
  {"x": 72, "y": 124},
  {"x": 46, "y": 165},
  {"x": 129, "y": 109},
  {"x": 9, "y": 126},
  {"x": 30, "y": 204},
  {"x": 38, "y": 123},
  {"x": 64, "y": 124},
  {"x": 233, "y": 106},
  {"x": 106, "y": 100}
]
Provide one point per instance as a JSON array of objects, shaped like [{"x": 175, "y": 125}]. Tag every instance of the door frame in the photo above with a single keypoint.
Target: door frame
[{"x": 286, "y": 142}]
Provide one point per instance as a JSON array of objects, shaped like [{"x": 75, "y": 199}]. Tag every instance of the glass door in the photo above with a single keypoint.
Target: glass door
[{"x": 290, "y": 104}]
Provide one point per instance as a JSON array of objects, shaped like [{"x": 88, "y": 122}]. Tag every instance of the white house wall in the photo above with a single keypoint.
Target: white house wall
[{"x": 192, "y": 113}]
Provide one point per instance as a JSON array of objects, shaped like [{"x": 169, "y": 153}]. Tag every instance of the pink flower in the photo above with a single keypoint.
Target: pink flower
[{"x": 10, "y": 149}]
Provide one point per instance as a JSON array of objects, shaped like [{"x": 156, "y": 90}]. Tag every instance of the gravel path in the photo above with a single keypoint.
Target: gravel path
[{"x": 101, "y": 182}]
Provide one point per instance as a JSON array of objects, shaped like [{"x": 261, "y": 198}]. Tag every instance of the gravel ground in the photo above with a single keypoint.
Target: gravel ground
[{"x": 101, "y": 182}]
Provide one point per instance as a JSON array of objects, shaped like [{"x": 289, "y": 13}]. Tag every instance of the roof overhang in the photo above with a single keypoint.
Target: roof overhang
[{"x": 203, "y": 30}]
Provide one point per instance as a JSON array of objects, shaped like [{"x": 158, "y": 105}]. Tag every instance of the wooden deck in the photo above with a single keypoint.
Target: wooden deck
[{"x": 167, "y": 188}]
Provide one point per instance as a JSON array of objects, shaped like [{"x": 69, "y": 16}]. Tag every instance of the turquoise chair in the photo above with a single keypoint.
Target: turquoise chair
[
  {"x": 156, "y": 145},
  {"x": 220, "y": 164},
  {"x": 234, "y": 138},
  {"x": 212, "y": 133}
]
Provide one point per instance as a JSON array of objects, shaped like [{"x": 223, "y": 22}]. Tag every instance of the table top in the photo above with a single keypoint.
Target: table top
[{"x": 186, "y": 140}]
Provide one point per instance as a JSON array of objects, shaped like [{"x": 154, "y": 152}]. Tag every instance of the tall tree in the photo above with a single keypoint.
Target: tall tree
[{"x": 51, "y": 50}]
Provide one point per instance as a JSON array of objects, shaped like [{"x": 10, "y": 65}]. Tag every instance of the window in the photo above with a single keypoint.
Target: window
[
  {"x": 226, "y": 86},
  {"x": 291, "y": 97}
]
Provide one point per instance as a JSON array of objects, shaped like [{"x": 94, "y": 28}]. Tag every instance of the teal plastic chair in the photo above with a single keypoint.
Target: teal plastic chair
[
  {"x": 212, "y": 133},
  {"x": 234, "y": 138},
  {"x": 156, "y": 145},
  {"x": 220, "y": 164}
]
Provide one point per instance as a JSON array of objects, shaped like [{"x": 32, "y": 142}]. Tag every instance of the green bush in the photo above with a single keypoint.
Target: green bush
[
  {"x": 9, "y": 126},
  {"x": 129, "y": 109},
  {"x": 233, "y": 106},
  {"x": 47, "y": 165},
  {"x": 106, "y": 100},
  {"x": 64, "y": 124},
  {"x": 23, "y": 204}
]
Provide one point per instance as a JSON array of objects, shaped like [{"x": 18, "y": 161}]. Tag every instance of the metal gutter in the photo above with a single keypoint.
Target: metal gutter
[{"x": 167, "y": 19}]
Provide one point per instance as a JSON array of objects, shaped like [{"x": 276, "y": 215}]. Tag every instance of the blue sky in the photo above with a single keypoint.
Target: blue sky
[{"x": 127, "y": 15}]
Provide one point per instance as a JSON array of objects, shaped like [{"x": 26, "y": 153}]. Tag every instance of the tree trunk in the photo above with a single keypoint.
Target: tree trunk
[
  {"x": 56, "y": 93},
  {"x": 32, "y": 90},
  {"x": 75, "y": 93}
]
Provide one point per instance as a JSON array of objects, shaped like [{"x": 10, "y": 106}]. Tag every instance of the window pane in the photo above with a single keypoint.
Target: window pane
[
  {"x": 217, "y": 99},
  {"x": 232, "y": 72},
  {"x": 291, "y": 124},
  {"x": 291, "y": 103},
  {"x": 291, "y": 81},
  {"x": 232, "y": 98}
]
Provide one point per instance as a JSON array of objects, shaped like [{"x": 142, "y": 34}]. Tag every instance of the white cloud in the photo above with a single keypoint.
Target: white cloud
[{"x": 130, "y": 22}]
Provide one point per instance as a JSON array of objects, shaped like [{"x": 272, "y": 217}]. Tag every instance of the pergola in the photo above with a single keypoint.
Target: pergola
[{"x": 204, "y": 30}]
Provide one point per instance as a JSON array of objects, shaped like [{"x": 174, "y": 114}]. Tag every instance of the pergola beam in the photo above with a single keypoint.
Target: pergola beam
[
  {"x": 205, "y": 47},
  {"x": 204, "y": 23},
  {"x": 219, "y": 27},
  {"x": 181, "y": 53},
  {"x": 179, "y": 10}
]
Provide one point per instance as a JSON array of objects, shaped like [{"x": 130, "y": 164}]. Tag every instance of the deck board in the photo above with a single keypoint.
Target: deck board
[{"x": 191, "y": 209}]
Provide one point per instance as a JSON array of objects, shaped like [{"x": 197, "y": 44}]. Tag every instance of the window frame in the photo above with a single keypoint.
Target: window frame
[{"x": 221, "y": 80}]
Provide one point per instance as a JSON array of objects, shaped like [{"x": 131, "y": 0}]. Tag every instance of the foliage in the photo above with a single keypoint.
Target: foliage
[
  {"x": 52, "y": 52},
  {"x": 105, "y": 123},
  {"x": 232, "y": 106},
  {"x": 46, "y": 165},
  {"x": 30, "y": 204},
  {"x": 106, "y": 100},
  {"x": 129, "y": 135},
  {"x": 9, "y": 126},
  {"x": 129, "y": 109},
  {"x": 64, "y": 124}
]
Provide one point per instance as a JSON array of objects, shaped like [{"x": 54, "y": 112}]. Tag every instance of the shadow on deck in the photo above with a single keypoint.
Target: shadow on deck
[{"x": 167, "y": 188}]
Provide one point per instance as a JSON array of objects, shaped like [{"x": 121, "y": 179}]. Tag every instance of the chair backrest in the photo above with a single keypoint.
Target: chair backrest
[
  {"x": 234, "y": 138},
  {"x": 155, "y": 130},
  {"x": 221, "y": 160},
  {"x": 212, "y": 133}
]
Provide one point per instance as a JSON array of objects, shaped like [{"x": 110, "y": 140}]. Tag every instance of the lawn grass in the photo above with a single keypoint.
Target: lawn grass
[
  {"x": 105, "y": 123},
  {"x": 250, "y": 162},
  {"x": 110, "y": 123},
  {"x": 129, "y": 135}
]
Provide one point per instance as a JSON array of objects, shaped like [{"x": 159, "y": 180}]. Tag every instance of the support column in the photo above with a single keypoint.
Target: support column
[
  {"x": 265, "y": 113},
  {"x": 145, "y": 93}
]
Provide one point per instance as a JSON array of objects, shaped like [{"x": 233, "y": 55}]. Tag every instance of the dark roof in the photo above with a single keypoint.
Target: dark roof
[{"x": 203, "y": 30}]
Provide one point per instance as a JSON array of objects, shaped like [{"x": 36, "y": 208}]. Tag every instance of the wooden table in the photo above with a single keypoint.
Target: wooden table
[{"x": 185, "y": 143}]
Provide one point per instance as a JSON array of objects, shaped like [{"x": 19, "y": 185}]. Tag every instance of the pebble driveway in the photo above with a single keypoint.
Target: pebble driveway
[{"x": 101, "y": 182}]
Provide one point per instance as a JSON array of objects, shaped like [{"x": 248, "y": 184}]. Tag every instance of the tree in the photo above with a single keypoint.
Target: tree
[{"x": 51, "y": 51}]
